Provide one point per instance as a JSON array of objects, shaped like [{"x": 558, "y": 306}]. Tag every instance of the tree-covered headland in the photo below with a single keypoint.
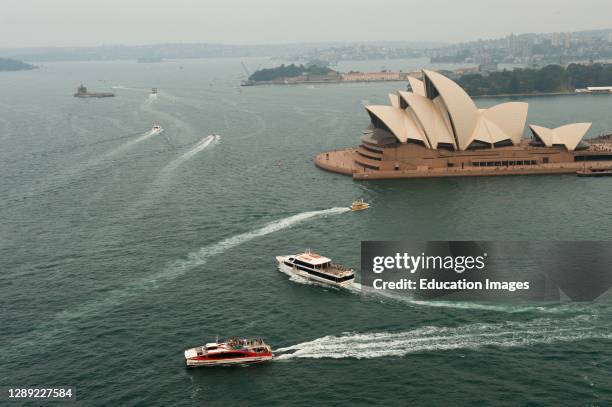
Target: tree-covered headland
[
  {"x": 7, "y": 64},
  {"x": 287, "y": 71},
  {"x": 550, "y": 79}
]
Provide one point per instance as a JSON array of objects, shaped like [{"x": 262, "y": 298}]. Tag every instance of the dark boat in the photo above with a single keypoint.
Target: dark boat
[
  {"x": 83, "y": 93},
  {"x": 595, "y": 172}
]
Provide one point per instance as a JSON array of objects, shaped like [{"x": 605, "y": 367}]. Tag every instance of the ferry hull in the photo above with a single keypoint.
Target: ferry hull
[
  {"x": 290, "y": 270},
  {"x": 228, "y": 362}
]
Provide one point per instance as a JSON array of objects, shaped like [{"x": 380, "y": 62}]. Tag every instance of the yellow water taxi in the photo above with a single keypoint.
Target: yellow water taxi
[{"x": 359, "y": 205}]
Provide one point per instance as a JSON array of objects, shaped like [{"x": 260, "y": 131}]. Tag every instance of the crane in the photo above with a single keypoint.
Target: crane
[{"x": 246, "y": 70}]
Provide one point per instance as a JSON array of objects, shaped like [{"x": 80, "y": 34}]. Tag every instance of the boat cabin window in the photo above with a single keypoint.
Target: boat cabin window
[
  {"x": 303, "y": 263},
  {"x": 312, "y": 266},
  {"x": 211, "y": 347},
  {"x": 230, "y": 355}
]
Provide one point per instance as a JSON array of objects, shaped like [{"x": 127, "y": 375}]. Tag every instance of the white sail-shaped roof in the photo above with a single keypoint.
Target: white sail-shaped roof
[
  {"x": 438, "y": 112},
  {"x": 569, "y": 135},
  {"x": 510, "y": 118},
  {"x": 417, "y": 85},
  {"x": 487, "y": 132},
  {"x": 394, "y": 99},
  {"x": 544, "y": 134},
  {"x": 500, "y": 123},
  {"x": 430, "y": 119},
  {"x": 401, "y": 125},
  {"x": 461, "y": 109}
]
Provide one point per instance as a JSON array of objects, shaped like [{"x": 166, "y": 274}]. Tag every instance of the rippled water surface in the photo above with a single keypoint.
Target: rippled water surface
[{"x": 119, "y": 248}]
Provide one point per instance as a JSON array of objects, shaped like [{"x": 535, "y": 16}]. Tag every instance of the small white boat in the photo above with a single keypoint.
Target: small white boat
[
  {"x": 233, "y": 351},
  {"x": 315, "y": 267},
  {"x": 156, "y": 129}
]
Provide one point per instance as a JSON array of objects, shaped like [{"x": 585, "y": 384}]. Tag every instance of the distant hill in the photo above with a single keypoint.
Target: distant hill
[
  {"x": 7, "y": 64},
  {"x": 173, "y": 51},
  {"x": 287, "y": 71}
]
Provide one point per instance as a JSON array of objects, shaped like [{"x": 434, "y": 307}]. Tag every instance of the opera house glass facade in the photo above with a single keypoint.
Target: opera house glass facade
[{"x": 436, "y": 130}]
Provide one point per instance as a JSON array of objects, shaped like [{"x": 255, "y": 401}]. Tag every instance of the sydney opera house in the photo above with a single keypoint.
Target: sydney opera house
[{"x": 436, "y": 130}]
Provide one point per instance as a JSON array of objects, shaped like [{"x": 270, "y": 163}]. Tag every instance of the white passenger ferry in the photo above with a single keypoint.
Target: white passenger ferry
[{"x": 315, "y": 267}]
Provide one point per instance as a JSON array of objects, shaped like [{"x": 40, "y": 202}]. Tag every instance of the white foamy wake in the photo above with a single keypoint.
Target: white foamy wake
[
  {"x": 162, "y": 182},
  {"x": 122, "y": 87},
  {"x": 178, "y": 125},
  {"x": 61, "y": 325},
  {"x": 432, "y": 339},
  {"x": 357, "y": 288},
  {"x": 477, "y": 306},
  {"x": 199, "y": 146},
  {"x": 149, "y": 100},
  {"x": 132, "y": 143},
  {"x": 200, "y": 257}
]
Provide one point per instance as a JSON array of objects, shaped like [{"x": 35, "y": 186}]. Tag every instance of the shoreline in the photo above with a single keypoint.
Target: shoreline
[
  {"x": 536, "y": 94},
  {"x": 318, "y": 82},
  {"x": 341, "y": 162}
]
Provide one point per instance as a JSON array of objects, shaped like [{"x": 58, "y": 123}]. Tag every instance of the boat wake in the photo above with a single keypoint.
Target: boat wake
[
  {"x": 434, "y": 339},
  {"x": 142, "y": 137},
  {"x": 200, "y": 145},
  {"x": 357, "y": 288},
  {"x": 553, "y": 308},
  {"x": 122, "y": 87},
  {"x": 61, "y": 324},
  {"x": 200, "y": 257},
  {"x": 149, "y": 100},
  {"x": 179, "y": 126}
]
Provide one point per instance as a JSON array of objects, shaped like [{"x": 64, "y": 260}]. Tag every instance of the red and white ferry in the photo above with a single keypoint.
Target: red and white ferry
[{"x": 234, "y": 351}]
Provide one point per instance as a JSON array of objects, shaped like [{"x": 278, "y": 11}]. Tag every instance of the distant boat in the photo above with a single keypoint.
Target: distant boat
[
  {"x": 594, "y": 172},
  {"x": 153, "y": 91},
  {"x": 149, "y": 60},
  {"x": 359, "y": 205},
  {"x": 83, "y": 93},
  {"x": 156, "y": 129}
]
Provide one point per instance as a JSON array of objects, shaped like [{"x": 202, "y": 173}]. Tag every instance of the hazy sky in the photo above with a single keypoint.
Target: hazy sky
[{"x": 25, "y": 23}]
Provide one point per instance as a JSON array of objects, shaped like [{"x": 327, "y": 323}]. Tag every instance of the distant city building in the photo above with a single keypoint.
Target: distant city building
[
  {"x": 372, "y": 76},
  {"x": 463, "y": 71},
  {"x": 492, "y": 67}
]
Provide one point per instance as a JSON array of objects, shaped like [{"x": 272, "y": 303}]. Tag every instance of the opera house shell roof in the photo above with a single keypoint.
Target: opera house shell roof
[
  {"x": 439, "y": 114},
  {"x": 436, "y": 130}
]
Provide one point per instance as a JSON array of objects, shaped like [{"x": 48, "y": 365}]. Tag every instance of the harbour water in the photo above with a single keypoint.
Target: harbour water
[{"x": 119, "y": 249}]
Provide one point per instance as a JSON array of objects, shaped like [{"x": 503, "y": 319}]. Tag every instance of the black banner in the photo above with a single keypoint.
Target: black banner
[{"x": 470, "y": 270}]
